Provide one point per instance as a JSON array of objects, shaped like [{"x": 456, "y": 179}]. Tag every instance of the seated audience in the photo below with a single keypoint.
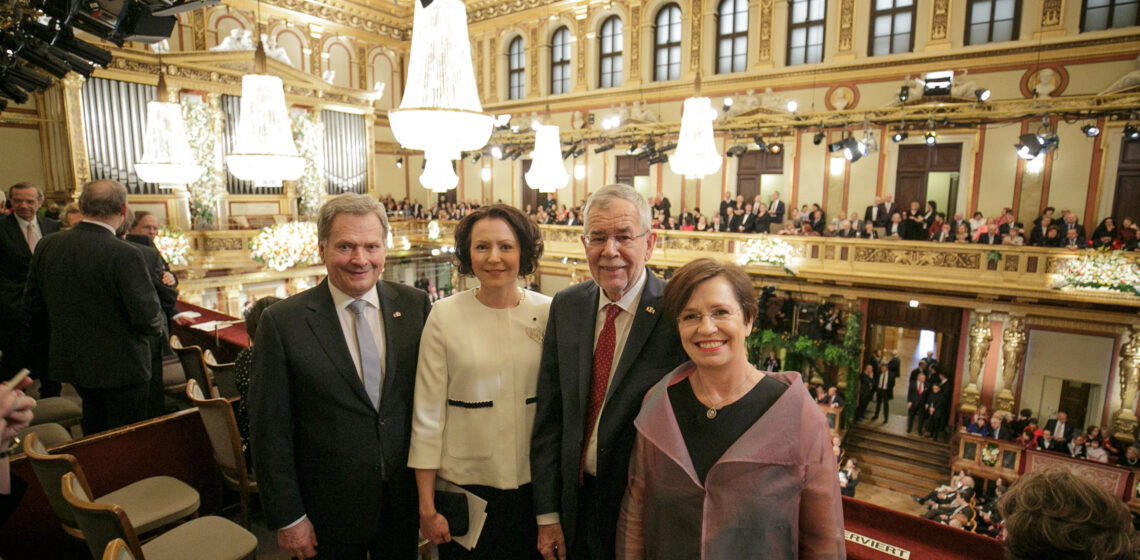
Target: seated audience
[
  {"x": 962, "y": 234},
  {"x": 1077, "y": 447},
  {"x": 1055, "y": 514},
  {"x": 832, "y": 397},
  {"x": 1105, "y": 235},
  {"x": 868, "y": 231},
  {"x": 1016, "y": 235},
  {"x": 1094, "y": 451},
  {"x": 943, "y": 235},
  {"x": 1131, "y": 457}
]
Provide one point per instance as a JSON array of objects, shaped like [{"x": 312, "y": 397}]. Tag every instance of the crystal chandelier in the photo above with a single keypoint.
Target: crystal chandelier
[
  {"x": 440, "y": 112},
  {"x": 696, "y": 154},
  {"x": 167, "y": 159},
  {"x": 264, "y": 151},
  {"x": 547, "y": 172}
]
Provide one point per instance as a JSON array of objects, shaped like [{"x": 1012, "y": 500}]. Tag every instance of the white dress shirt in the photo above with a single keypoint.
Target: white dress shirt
[
  {"x": 476, "y": 390},
  {"x": 622, "y": 324}
]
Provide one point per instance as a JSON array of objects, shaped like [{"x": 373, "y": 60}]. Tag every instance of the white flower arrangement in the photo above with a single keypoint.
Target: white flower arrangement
[
  {"x": 1108, "y": 271},
  {"x": 765, "y": 249},
  {"x": 283, "y": 246},
  {"x": 173, "y": 245},
  {"x": 433, "y": 230},
  {"x": 203, "y": 136},
  {"x": 309, "y": 134}
]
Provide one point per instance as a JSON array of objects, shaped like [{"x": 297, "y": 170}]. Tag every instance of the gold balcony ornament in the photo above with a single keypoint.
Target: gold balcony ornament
[
  {"x": 440, "y": 112},
  {"x": 1013, "y": 354},
  {"x": 1124, "y": 420},
  {"x": 980, "y": 337}
]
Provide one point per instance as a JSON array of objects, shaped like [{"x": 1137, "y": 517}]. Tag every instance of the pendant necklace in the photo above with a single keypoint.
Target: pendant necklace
[{"x": 712, "y": 410}]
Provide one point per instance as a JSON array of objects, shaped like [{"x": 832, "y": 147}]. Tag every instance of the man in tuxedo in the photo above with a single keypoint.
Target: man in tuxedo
[
  {"x": 777, "y": 208},
  {"x": 884, "y": 391},
  {"x": 726, "y": 206},
  {"x": 1073, "y": 240},
  {"x": 943, "y": 235},
  {"x": 990, "y": 237},
  {"x": 895, "y": 228},
  {"x": 886, "y": 208},
  {"x": 737, "y": 220},
  {"x": 1045, "y": 442},
  {"x": 19, "y": 233},
  {"x": 1061, "y": 429},
  {"x": 607, "y": 342},
  {"x": 331, "y": 396},
  {"x": 89, "y": 295},
  {"x": 747, "y": 220},
  {"x": 873, "y": 214},
  {"x": 916, "y": 402},
  {"x": 845, "y": 230}
]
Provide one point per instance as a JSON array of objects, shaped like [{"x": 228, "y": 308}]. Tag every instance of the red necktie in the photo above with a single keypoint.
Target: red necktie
[
  {"x": 920, "y": 388},
  {"x": 599, "y": 380}
]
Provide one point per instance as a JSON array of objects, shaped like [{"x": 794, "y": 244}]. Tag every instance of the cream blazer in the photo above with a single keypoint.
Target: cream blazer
[{"x": 475, "y": 390}]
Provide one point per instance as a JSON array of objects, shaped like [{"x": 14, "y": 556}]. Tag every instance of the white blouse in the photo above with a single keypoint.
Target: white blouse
[{"x": 475, "y": 390}]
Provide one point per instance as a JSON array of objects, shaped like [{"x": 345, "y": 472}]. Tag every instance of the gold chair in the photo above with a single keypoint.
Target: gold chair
[
  {"x": 149, "y": 504},
  {"x": 204, "y": 538},
  {"x": 221, "y": 427}
]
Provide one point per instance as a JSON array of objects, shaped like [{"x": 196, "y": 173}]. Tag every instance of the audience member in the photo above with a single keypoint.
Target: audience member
[
  {"x": 1055, "y": 514},
  {"x": 15, "y": 414},
  {"x": 848, "y": 478},
  {"x": 243, "y": 369},
  {"x": 1131, "y": 457}
]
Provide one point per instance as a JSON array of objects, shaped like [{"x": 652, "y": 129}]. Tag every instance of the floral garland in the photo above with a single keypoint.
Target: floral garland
[
  {"x": 1100, "y": 270},
  {"x": 990, "y": 454},
  {"x": 283, "y": 246},
  {"x": 433, "y": 230},
  {"x": 204, "y": 193},
  {"x": 173, "y": 245},
  {"x": 765, "y": 249},
  {"x": 309, "y": 134}
]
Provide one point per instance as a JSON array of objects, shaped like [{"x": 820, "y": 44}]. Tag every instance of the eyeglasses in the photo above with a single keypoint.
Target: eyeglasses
[
  {"x": 599, "y": 240},
  {"x": 718, "y": 316}
]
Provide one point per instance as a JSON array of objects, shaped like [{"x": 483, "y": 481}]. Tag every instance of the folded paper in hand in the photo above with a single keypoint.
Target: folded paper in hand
[{"x": 450, "y": 501}]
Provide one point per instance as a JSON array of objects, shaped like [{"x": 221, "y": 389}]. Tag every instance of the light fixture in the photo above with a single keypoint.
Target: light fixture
[
  {"x": 854, "y": 149},
  {"x": 475, "y": 157},
  {"x": 547, "y": 172},
  {"x": 1033, "y": 145},
  {"x": 440, "y": 112},
  {"x": 579, "y": 171},
  {"x": 937, "y": 83},
  {"x": 930, "y": 137},
  {"x": 1091, "y": 130},
  {"x": 727, "y": 104},
  {"x": 696, "y": 149},
  {"x": 736, "y": 151},
  {"x": 775, "y": 148},
  {"x": 913, "y": 303},
  {"x": 1035, "y": 165},
  {"x": 264, "y": 151},
  {"x": 497, "y": 152},
  {"x": 399, "y": 163},
  {"x": 1131, "y": 133},
  {"x": 659, "y": 158},
  {"x": 167, "y": 158},
  {"x": 604, "y": 148},
  {"x": 761, "y": 144},
  {"x": 899, "y": 136},
  {"x": 904, "y": 94},
  {"x": 485, "y": 174},
  {"x": 818, "y": 138},
  {"x": 793, "y": 106},
  {"x": 632, "y": 149},
  {"x": 982, "y": 95}
]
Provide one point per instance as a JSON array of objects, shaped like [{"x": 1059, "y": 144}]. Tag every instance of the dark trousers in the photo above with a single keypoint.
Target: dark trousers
[
  {"x": 592, "y": 541},
  {"x": 106, "y": 408},
  {"x": 509, "y": 533},
  {"x": 882, "y": 402},
  {"x": 395, "y": 538},
  {"x": 913, "y": 413},
  {"x": 156, "y": 395},
  {"x": 865, "y": 395}
]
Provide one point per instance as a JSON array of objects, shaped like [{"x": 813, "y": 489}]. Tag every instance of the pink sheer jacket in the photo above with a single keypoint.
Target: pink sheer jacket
[{"x": 773, "y": 494}]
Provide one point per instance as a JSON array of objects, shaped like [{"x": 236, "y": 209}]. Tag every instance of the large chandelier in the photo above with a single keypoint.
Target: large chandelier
[
  {"x": 264, "y": 151},
  {"x": 167, "y": 159},
  {"x": 547, "y": 172},
  {"x": 440, "y": 112},
  {"x": 696, "y": 154}
]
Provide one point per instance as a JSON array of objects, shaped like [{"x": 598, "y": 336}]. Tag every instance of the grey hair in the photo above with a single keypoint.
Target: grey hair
[
  {"x": 605, "y": 196},
  {"x": 24, "y": 185},
  {"x": 102, "y": 198},
  {"x": 354, "y": 204}
]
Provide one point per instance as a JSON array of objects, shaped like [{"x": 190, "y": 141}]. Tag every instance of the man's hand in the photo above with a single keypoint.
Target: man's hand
[
  {"x": 15, "y": 412},
  {"x": 299, "y": 540},
  {"x": 434, "y": 528},
  {"x": 551, "y": 543},
  {"x": 168, "y": 278}
]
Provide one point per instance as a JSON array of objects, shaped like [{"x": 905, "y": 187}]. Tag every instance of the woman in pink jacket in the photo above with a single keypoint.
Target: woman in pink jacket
[{"x": 730, "y": 462}]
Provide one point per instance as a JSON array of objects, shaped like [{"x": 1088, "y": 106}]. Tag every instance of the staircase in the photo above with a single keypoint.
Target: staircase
[{"x": 901, "y": 462}]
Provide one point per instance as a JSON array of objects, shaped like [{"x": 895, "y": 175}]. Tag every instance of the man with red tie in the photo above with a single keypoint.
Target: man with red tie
[
  {"x": 916, "y": 402},
  {"x": 606, "y": 344}
]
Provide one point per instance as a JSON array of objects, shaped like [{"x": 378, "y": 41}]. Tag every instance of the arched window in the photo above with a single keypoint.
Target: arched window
[
  {"x": 610, "y": 44},
  {"x": 732, "y": 36},
  {"x": 516, "y": 69},
  {"x": 667, "y": 44},
  {"x": 560, "y": 61}
]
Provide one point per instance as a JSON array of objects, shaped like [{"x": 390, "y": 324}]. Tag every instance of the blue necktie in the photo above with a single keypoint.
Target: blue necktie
[{"x": 370, "y": 369}]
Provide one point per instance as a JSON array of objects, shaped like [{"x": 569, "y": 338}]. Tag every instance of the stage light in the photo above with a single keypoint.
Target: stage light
[
  {"x": 899, "y": 136},
  {"x": 835, "y": 147},
  {"x": 904, "y": 94},
  {"x": 1091, "y": 130},
  {"x": 937, "y": 83},
  {"x": 727, "y": 104},
  {"x": 792, "y": 106},
  {"x": 399, "y": 163},
  {"x": 659, "y": 158},
  {"x": 497, "y": 152},
  {"x": 931, "y": 137},
  {"x": 760, "y": 143},
  {"x": 775, "y": 148},
  {"x": 736, "y": 151},
  {"x": 913, "y": 303},
  {"x": 1131, "y": 133},
  {"x": 982, "y": 95},
  {"x": 604, "y": 148},
  {"x": 854, "y": 149},
  {"x": 1030, "y": 146},
  {"x": 476, "y": 157},
  {"x": 818, "y": 138}
]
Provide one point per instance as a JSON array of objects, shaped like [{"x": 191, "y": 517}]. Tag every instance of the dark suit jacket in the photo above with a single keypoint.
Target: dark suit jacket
[
  {"x": 747, "y": 223},
  {"x": 916, "y": 399},
  {"x": 990, "y": 238},
  {"x": 320, "y": 447},
  {"x": 14, "y": 260},
  {"x": 90, "y": 295},
  {"x": 156, "y": 265},
  {"x": 652, "y": 350},
  {"x": 777, "y": 208},
  {"x": 890, "y": 383},
  {"x": 1069, "y": 429}
]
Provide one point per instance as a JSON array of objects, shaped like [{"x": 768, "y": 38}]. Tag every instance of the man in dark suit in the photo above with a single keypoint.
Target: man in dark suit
[
  {"x": 1070, "y": 224},
  {"x": 331, "y": 395},
  {"x": 726, "y": 206},
  {"x": 607, "y": 341},
  {"x": 1061, "y": 429},
  {"x": 19, "y": 233},
  {"x": 747, "y": 221},
  {"x": 937, "y": 410},
  {"x": 777, "y": 208},
  {"x": 916, "y": 402},
  {"x": 884, "y": 390},
  {"x": 874, "y": 213},
  {"x": 89, "y": 294},
  {"x": 736, "y": 221},
  {"x": 138, "y": 231}
]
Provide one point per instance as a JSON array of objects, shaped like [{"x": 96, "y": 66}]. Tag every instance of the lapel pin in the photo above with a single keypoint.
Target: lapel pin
[
  {"x": 396, "y": 314},
  {"x": 650, "y": 310}
]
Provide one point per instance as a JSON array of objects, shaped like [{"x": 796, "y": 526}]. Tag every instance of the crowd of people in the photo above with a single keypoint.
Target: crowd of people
[{"x": 1058, "y": 435}]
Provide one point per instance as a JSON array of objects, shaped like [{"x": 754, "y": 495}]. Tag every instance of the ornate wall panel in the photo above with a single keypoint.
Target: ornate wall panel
[
  {"x": 1051, "y": 12},
  {"x": 765, "y": 42},
  {"x": 478, "y": 50},
  {"x": 695, "y": 36},
  {"x": 635, "y": 43},
  {"x": 493, "y": 72},
  {"x": 940, "y": 20},
  {"x": 846, "y": 26},
  {"x": 533, "y": 64},
  {"x": 581, "y": 52}
]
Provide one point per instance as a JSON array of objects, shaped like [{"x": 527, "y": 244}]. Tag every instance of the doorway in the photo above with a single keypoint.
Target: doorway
[
  {"x": 760, "y": 173},
  {"x": 929, "y": 173},
  {"x": 1127, "y": 198}
]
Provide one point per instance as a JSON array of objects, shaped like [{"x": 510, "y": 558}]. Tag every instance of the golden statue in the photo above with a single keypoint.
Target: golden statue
[
  {"x": 1013, "y": 354},
  {"x": 1124, "y": 420},
  {"x": 980, "y": 338}
]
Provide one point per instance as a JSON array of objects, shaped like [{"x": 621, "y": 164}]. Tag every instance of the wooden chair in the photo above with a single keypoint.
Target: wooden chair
[
  {"x": 149, "y": 504},
  {"x": 221, "y": 427},
  {"x": 222, "y": 376},
  {"x": 118, "y": 550},
  {"x": 194, "y": 366},
  {"x": 200, "y": 539}
]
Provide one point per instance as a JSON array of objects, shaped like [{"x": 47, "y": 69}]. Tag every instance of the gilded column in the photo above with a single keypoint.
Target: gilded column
[
  {"x": 939, "y": 26},
  {"x": 980, "y": 338},
  {"x": 370, "y": 149},
  {"x": 764, "y": 34},
  {"x": 492, "y": 72},
  {"x": 362, "y": 67},
  {"x": 478, "y": 53},
  {"x": 1124, "y": 420},
  {"x": 696, "y": 20},
  {"x": 76, "y": 142},
  {"x": 634, "y": 44},
  {"x": 533, "y": 63},
  {"x": 316, "y": 68},
  {"x": 1052, "y": 19},
  {"x": 198, "y": 29},
  {"x": 581, "y": 62},
  {"x": 845, "y": 46},
  {"x": 1013, "y": 342}
]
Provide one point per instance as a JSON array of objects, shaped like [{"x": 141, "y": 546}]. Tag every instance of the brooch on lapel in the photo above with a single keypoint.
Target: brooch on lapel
[
  {"x": 650, "y": 310},
  {"x": 396, "y": 315},
  {"x": 535, "y": 333}
]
